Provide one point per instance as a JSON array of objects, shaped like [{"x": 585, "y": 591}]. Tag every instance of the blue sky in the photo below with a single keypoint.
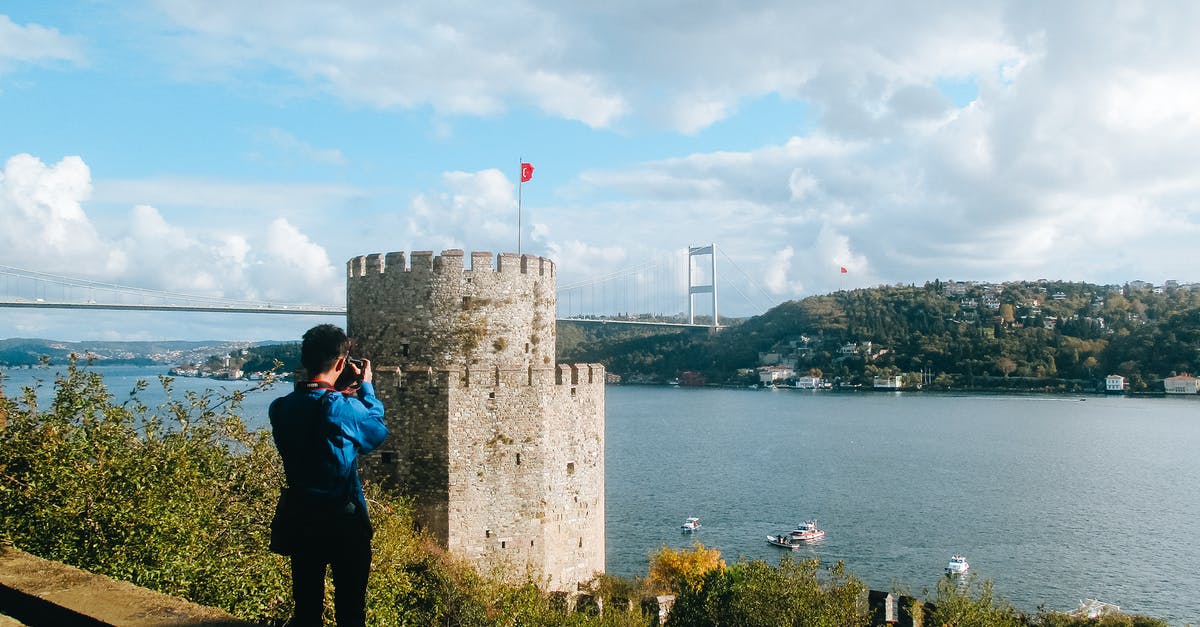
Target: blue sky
[{"x": 247, "y": 150}]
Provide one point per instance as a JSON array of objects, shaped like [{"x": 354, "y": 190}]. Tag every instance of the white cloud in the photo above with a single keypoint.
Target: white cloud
[
  {"x": 33, "y": 43},
  {"x": 459, "y": 59},
  {"x": 49, "y": 230},
  {"x": 474, "y": 210},
  {"x": 241, "y": 200},
  {"x": 577, "y": 255},
  {"x": 45, "y": 226},
  {"x": 293, "y": 147},
  {"x": 293, "y": 267},
  {"x": 592, "y": 64},
  {"x": 801, "y": 185},
  {"x": 776, "y": 275},
  {"x": 1063, "y": 168}
]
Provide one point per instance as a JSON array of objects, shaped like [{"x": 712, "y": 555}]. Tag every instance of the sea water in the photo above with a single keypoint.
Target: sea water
[{"x": 1053, "y": 498}]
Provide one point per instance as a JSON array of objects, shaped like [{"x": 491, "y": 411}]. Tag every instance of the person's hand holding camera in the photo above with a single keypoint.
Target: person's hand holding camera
[
  {"x": 357, "y": 369},
  {"x": 362, "y": 368}
]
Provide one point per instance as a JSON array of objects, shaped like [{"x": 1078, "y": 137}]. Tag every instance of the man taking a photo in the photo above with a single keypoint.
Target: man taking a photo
[{"x": 321, "y": 429}]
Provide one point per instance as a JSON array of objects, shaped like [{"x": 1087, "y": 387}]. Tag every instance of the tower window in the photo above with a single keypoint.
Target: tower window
[
  {"x": 404, "y": 350},
  {"x": 570, "y": 468},
  {"x": 487, "y": 533},
  {"x": 491, "y": 395},
  {"x": 466, "y": 301},
  {"x": 503, "y": 544},
  {"x": 518, "y": 459},
  {"x": 387, "y": 457}
]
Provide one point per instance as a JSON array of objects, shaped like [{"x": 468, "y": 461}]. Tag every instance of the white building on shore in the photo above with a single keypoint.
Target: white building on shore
[
  {"x": 1182, "y": 384},
  {"x": 1114, "y": 384}
]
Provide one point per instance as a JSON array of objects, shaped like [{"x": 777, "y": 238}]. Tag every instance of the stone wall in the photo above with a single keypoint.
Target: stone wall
[
  {"x": 38, "y": 592},
  {"x": 502, "y": 449}
]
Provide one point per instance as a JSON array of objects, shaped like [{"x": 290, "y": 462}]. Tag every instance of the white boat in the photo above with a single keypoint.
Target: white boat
[
  {"x": 690, "y": 525},
  {"x": 804, "y": 532},
  {"x": 957, "y": 565},
  {"x": 1093, "y": 609}
]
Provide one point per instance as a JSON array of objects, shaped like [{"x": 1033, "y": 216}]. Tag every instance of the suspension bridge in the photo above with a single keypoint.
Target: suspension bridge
[{"x": 679, "y": 289}]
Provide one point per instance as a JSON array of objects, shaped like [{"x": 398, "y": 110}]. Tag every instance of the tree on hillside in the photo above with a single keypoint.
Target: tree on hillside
[
  {"x": 1006, "y": 313},
  {"x": 927, "y": 329}
]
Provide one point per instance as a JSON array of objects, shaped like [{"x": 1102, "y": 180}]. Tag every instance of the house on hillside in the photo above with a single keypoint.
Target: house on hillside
[
  {"x": 809, "y": 383},
  {"x": 770, "y": 375},
  {"x": 1182, "y": 384},
  {"x": 1115, "y": 384},
  {"x": 894, "y": 382}
]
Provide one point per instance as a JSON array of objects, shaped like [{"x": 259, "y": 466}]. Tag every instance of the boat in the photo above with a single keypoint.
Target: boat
[
  {"x": 1092, "y": 609},
  {"x": 690, "y": 525},
  {"x": 804, "y": 532},
  {"x": 957, "y": 565}
]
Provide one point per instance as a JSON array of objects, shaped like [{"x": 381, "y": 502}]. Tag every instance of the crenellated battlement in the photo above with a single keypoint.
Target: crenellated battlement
[
  {"x": 426, "y": 309},
  {"x": 449, "y": 262},
  {"x": 490, "y": 377}
]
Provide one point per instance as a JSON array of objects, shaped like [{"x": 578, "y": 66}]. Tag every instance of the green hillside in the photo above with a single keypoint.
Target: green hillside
[{"x": 1040, "y": 335}]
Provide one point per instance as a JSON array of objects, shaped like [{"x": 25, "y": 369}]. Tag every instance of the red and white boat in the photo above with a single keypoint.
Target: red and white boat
[{"x": 804, "y": 532}]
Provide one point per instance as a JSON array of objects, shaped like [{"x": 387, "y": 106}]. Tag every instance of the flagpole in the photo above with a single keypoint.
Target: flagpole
[{"x": 520, "y": 184}]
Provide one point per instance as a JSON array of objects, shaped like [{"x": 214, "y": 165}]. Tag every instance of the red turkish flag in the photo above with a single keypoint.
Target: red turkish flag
[
  {"x": 526, "y": 172},
  {"x": 843, "y": 269}
]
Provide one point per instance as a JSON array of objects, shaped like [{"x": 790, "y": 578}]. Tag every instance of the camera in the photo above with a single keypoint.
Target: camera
[{"x": 349, "y": 380}]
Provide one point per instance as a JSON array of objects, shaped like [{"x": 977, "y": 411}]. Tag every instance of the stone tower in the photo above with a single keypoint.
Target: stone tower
[{"x": 501, "y": 448}]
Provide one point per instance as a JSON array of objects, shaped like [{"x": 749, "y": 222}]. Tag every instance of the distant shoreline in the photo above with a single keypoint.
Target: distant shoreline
[{"x": 980, "y": 391}]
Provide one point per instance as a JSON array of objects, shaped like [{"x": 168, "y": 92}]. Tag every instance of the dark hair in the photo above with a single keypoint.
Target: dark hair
[{"x": 322, "y": 346}]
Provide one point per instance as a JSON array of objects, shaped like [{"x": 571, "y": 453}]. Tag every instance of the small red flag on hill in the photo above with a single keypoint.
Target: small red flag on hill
[
  {"x": 843, "y": 269},
  {"x": 526, "y": 172}
]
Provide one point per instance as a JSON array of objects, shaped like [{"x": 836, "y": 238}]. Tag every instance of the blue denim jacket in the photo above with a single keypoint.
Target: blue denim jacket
[{"x": 320, "y": 433}]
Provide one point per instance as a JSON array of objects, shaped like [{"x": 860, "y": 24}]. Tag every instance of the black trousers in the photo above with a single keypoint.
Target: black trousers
[{"x": 351, "y": 563}]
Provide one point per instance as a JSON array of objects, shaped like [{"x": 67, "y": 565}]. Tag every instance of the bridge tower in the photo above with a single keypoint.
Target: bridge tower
[
  {"x": 501, "y": 449},
  {"x": 709, "y": 288}
]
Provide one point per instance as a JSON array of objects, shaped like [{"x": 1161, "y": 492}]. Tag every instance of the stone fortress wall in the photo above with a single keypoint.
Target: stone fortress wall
[{"x": 501, "y": 448}]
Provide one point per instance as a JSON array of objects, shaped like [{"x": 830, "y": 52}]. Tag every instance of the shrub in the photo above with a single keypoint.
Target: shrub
[
  {"x": 754, "y": 593},
  {"x": 969, "y": 602},
  {"x": 673, "y": 571},
  {"x": 175, "y": 499}
]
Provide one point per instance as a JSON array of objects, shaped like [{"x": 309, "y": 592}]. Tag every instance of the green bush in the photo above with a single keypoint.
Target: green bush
[
  {"x": 176, "y": 498},
  {"x": 971, "y": 603},
  {"x": 754, "y": 593}
]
